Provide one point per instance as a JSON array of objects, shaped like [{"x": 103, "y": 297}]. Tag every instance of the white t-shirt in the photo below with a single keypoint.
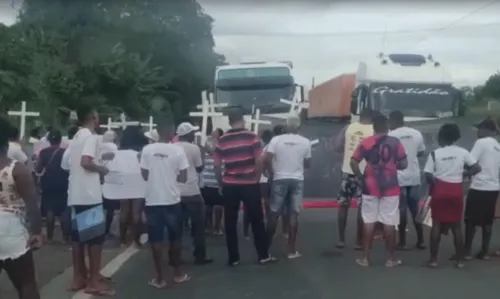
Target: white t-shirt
[
  {"x": 193, "y": 154},
  {"x": 84, "y": 186},
  {"x": 413, "y": 143},
  {"x": 264, "y": 179},
  {"x": 124, "y": 180},
  {"x": 164, "y": 161},
  {"x": 289, "y": 151},
  {"x": 450, "y": 163},
  {"x": 487, "y": 153},
  {"x": 15, "y": 152}
]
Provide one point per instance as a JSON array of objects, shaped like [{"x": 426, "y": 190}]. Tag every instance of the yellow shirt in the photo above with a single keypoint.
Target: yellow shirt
[{"x": 354, "y": 133}]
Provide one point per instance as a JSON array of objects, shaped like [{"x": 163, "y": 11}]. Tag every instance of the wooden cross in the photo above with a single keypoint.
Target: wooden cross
[
  {"x": 23, "y": 114},
  {"x": 295, "y": 106},
  {"x": 256, "y": 121},
  {"x": 151, "y": 125},
  {"x": 124, "y": 123},
  {"x": 204, "y": 114},
  {"x": 110, "y": 125},
  {"x": 314, "y": 142},
  {"x": 211, "y": 104}
]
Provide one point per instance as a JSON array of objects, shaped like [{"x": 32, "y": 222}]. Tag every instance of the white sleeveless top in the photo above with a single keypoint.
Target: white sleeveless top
[
  {"x": 13, "y": 233},
  {"x": 124, "y": 180}
]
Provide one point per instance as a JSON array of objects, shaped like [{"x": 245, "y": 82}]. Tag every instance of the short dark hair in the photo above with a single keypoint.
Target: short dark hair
[
  {"x": 279, "y": 130},
  {"x": 380, "y": 124},
  {"x": 266, "y": 136},
  {"x": 397, "y": 117},
  {"x": 84, "y": 112},
  {"x": 165, "y": 127},
  {"x": 54, "y": 136},
  {"x": 220, "y": 131},
  {"x": 366, "y": 114},
  {"x": 72, "y": 132},
  {"x": 235, "y": 115},
  {"x": 13, "y": 133},
  {"x": 133, "y": 139},
  {"x": 448, "y": 134},
  {"x": 5, "y": 128}
]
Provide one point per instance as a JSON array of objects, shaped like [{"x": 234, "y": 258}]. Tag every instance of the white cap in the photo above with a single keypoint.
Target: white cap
[
  {"x": 109, "y": 136},
  {"x": 186, "y": 128},
  {"x": 152, "y": 135}
]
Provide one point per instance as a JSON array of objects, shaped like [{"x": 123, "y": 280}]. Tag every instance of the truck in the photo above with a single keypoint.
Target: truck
[
  {"x": 417, "y": 85},
  {"x": 252, "y": 85}
]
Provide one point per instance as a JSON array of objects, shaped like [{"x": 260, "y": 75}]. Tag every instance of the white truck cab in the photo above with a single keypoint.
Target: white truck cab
[{"x": 416, "y": 85}]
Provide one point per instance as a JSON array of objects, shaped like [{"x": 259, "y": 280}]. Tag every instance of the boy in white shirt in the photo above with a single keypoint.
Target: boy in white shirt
[
  {"x": 409, "y": 178},
  {"x": 163, "y": 166},
  {"x": 84, "y": 193},
  {"x": 484, "y": 189}
]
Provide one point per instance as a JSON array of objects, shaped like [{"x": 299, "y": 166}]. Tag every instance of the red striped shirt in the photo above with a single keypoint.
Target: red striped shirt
[{"x": 238, "y": 150}]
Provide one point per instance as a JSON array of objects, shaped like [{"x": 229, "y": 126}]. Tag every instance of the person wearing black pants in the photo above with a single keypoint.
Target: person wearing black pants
[
  {"x": 240, "y": 151},
  {"x": 251, "y": 198}
]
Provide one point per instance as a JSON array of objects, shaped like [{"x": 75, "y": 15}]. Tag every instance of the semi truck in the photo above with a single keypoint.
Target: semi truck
[
  {"x": 254, "y": 84},
  {"x": 417, "y": 85}
]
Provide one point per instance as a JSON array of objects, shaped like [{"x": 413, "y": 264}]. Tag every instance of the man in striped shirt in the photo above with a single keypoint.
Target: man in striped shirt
[{"x": 241, "y": 153}]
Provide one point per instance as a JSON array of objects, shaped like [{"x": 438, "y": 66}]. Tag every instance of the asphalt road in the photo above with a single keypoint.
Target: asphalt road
[{"x": 322, "y": 272}]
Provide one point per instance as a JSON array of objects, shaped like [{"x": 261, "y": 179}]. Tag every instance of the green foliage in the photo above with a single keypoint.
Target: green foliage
[
  {"x": 492, "y": 86},
  {"x": 142, "y": 57}
]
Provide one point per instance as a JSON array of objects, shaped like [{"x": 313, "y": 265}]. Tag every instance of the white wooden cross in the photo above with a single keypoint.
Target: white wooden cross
[
  {"x": 314, "y": 142},
  {"x": 204, "y": 114},
  {"x": 110, "y": 125},
  {"x": 256, "y": 121},
  {"x": 295, "y": 106},
  {"x": 151, "y": 125},
  {"x": 211, "y": 104},
  {"x": 124, "y": 123},
  {"x": 23, "y": 114}
]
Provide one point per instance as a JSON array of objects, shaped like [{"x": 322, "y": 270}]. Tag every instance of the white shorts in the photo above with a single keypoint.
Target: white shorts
[{"x": 380, "y": 209}]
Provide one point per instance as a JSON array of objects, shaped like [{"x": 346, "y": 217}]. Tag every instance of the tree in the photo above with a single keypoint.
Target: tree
[
  {"x": 492, "y": 86},
  {"x": 137, "y": 56}
]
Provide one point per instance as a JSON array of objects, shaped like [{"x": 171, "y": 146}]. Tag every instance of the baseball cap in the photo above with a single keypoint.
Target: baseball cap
[
  {"x": 186, "y": 128},
  {"x": 487, "y": 124},
  {"x": 152, "y": 135}
]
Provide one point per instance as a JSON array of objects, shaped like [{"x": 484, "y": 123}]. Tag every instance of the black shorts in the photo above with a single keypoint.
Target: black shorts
[
  {"x": 75, "y": 236},
  {"x": 212, "y": 196},
  {"x": 54, "y": 202},
  {"x": 480, "y": 207},
  {"x": 350, "y": 187},
  {"x": 110, "y": 205}
]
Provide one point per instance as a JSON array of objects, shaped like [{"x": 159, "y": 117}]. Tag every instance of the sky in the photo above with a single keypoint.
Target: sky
[{"x": 324, "y": 39}]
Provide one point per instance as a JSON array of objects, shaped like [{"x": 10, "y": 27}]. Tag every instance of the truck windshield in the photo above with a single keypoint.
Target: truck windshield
[
  {"x": 266, "y": 99},
  {"x": 414, "y": 100}
]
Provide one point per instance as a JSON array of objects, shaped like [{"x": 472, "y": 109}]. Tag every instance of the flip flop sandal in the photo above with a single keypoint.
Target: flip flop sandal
[
  {"x": 106, "y": 279},
  {"x": 100, "y": 292},
  {"x": 158, "y": 285},
  {"x": 393, "y": 264},
  {"x": 77, "y": 289},
  {"x": 432, "y": 265},
  {"x": 460, "y": 265},
  {"x": 340, "y": 245},
  {"x": 184, "y": 278},
  {"x": 294, "y": 255},
  {"x": 269, "y": 260},
  {"x": 402, "y": 248},
  {"x": 363, "y": 262}
]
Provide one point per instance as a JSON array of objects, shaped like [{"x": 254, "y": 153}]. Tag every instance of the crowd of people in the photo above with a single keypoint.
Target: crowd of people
[{"x": 163, "y": 181}]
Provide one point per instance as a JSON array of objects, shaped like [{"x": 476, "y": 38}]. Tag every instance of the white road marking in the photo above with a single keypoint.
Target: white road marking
[{"x": 111, "y": 268}]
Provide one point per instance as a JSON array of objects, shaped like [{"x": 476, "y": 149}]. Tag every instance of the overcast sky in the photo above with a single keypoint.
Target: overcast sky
[{"x": 325, "y": 40}]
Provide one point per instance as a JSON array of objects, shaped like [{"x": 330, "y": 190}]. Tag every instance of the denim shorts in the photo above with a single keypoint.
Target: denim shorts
[
  {"x": 159, "y": 218},
  {"x": 287, "y": 195}
]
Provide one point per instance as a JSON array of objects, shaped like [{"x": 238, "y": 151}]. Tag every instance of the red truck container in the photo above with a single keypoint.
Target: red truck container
[{"x": 332, "y": 98}]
